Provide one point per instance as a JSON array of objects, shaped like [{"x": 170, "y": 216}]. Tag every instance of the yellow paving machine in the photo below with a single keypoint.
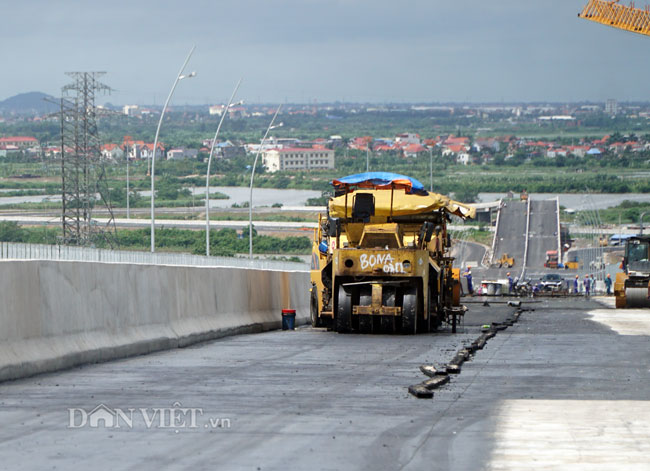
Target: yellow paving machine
[{"x": 380, "y": 259}]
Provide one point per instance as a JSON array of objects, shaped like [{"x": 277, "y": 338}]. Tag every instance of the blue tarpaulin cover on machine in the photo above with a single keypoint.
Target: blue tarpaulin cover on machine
[{"x": 381, "y": 180}]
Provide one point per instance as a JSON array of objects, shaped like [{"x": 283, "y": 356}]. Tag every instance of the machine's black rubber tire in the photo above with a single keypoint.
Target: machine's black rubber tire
[
  {"x": 365, "y": 322},
  {"x": 343, "y": 310},
  {"x": 313, "y": 308},
  {"x": 410, "y": 311},
  {"x": 428, "y": 324},
  {"x": 436, "y": 321},
  {"x": 434, "y": 312},
  {"x": 387, "y": 323}
]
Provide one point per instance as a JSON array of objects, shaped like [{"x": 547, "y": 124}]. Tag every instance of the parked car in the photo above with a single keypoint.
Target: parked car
[{"x": 552, "y": 282}]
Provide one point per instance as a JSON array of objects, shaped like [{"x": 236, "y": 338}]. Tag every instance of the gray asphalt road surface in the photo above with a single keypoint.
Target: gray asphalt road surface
[
  {"x": 542, "y": 233},
  {"x": 566, "y": 387}
]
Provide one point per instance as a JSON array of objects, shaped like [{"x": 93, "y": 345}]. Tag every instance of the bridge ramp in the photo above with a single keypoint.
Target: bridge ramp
[
  {"x": 543, "y": 232},
  {"x": 510, "y": 233}
]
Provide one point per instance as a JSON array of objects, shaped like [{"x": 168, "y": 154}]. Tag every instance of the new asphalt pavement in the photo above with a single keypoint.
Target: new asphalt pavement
[{"x": 566, "y": 387}]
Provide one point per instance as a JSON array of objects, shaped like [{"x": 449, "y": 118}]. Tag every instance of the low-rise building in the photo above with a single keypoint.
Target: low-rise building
[
  {"x": 556, "y": 152},
  {"x": 112, "y": 152},
  {"x": 463, "y": 158},
  {"x": 234, "y": 112},
  {"x": 578, "y": 151},
  {"x": 131, "y": 110},
  {"x": 22, "y": 142},
  {"x": 454, "y": 149},
  {"x": 181, "y": 153},
  {"x": 412, "y": 150},
  {"x": 140, "y": 149},
  {"x": 8, "y": 150},
  {"x": 298, "y": 158},
  {"x": 407, "y": 138}
]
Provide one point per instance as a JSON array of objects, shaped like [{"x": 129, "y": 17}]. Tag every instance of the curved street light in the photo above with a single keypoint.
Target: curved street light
[
  {"x": 207, "y": 176},
  {"x": 250, "y": 200},
  {"x": 179, "y": 77}
]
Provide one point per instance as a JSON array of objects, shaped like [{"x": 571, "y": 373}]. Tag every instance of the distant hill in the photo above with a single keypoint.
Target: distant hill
[{"x": 29, "y": 104}]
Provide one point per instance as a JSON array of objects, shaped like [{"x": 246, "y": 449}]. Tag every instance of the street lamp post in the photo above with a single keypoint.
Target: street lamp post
[
  {"x": 128, "y": 206},
  {"x": 368, "y": 157},
  {"x": 179, "y": 77},
  {"x": 250, "y": 199},
  {"x": 207, "y": 177},
  {"x": 430, "y": 170}
]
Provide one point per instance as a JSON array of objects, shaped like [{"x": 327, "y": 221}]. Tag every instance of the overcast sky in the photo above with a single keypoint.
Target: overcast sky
[{"x": 325, "y": 50}]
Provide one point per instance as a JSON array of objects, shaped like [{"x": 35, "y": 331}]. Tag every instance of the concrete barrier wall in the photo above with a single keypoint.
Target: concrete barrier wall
[{"x": 56, "y": 315}]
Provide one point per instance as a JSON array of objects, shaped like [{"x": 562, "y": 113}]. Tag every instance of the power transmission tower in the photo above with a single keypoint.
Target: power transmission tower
[{"x": 83, "y": 178}]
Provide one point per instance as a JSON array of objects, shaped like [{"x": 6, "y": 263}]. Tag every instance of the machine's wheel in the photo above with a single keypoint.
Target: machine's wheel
[
  {"x": 365, "y": 322},
  {"x": 344, "y": 310},
  {"x": 313, "y": 308},
  {"x": 636, "y": 297},
  {"x": 499, "y": 265},
  {"x": 434, "y": 321},
  {"x": 410, "y": 311},
  {"x": 424, "y": 325},
  {"x": 388, "y": 299},
  {"x": 507, "y": 265}
]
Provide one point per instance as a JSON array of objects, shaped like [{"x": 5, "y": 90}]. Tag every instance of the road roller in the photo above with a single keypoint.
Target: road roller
[
  {"x": 632, "y": 285},
  {"x": 381, "y": 257}
]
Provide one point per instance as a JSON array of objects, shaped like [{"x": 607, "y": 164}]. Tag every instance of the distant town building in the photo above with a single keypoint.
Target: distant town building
[
  {"x": 557, "y": 118},
  {"x": 216, "y": 110},
  {"x": 412, "y": 150},
  {"x": 21, "y": 142},
  {"x": 233, "y": 113},
  {"x": 131, "y": 110},
  {"x": 481, "y": 144},
  {"x": 140, "y": 149},
  {"x": 454, "y": 149},
  {"x": 555, "y": 152},
  {"x": 181, "y": 153},
  {"x": 8, "y": 150},
  {"x": 112, "y": 152},
  {"x": 231, "y": 152},
  {"x": 463, "y": 158},
  {"x": 281, "y": 142},
  {"x": 297, "y": 158},
  {"x": 611, "y": 106},
  {"x": 360, "y": 143},
  {"x": 408, "y": 138}
]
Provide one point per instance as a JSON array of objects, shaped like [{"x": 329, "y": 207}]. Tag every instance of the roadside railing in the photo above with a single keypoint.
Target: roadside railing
[{"x": 18, "y": 251}]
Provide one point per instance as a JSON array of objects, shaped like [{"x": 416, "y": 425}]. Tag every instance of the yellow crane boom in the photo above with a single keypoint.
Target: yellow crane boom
[{"x": 611, "y": 13}]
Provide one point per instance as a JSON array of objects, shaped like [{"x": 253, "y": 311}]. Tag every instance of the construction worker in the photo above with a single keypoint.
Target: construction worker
[
  {"x": 468, "y": 276},
  {"x": 608, "y": 284},
  {"x": 510, "y": 283},
  {"x": 593, "y": 284},
  {"x": 587, "y": 285},
  {"x": 575, "y": 285}
]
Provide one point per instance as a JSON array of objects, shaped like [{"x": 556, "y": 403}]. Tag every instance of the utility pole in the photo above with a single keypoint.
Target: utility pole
[{"x": 82, "y": 168}]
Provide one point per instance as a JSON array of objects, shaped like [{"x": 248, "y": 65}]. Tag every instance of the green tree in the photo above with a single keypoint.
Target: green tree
[{"x": 11, "y": 232}]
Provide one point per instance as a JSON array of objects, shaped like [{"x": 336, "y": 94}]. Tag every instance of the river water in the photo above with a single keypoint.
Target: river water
[
  {"x": 261, "y": 196},
  {"x": 269, "y": 196},
  {"x": 237, "y": 195}
]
